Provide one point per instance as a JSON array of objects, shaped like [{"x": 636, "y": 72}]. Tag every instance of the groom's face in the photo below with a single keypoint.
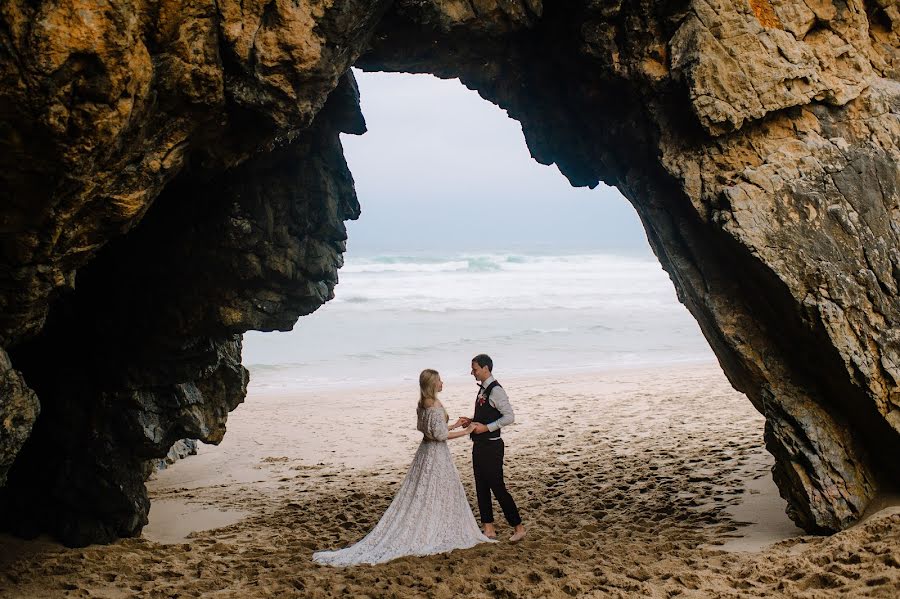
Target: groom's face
[{"x": 481, "y": 373}]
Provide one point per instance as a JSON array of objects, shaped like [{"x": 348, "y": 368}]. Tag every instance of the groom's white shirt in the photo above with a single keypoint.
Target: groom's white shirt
[{"x": 500, "y": 400}]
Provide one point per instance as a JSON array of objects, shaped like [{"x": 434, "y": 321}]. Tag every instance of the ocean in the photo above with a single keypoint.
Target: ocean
[{"x": 535, "y": 314}]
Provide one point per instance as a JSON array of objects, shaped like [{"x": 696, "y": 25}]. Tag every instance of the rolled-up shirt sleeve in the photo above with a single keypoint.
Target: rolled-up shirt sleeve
[{"x": 500, "y": 400}]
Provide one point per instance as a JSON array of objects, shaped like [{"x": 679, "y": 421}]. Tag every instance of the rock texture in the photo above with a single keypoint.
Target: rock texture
[
  {"x": 179, "y": 450},
  {"x": 173, "y": 177},
  {"x": 19, "y": 408}
]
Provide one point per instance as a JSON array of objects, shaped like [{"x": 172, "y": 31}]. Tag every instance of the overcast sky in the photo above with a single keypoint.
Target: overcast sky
[{"x": 442, "y": 169}]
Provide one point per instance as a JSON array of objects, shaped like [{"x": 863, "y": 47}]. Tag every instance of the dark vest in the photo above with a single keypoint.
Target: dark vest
[{"x": 485, "y": 413}]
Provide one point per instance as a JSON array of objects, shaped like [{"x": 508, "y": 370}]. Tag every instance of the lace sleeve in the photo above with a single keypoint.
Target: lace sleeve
[{"x": 436, "y": 425}]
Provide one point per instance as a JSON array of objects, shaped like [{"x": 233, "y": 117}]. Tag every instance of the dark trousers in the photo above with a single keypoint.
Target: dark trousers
[{"x": 487, "y": 462}]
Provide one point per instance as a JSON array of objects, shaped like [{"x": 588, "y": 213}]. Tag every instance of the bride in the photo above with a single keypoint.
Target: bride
[{"x": 430, "y": 513}]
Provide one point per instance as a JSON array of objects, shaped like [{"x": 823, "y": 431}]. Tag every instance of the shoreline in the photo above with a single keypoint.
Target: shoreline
[{"x": 411, "y": 382}]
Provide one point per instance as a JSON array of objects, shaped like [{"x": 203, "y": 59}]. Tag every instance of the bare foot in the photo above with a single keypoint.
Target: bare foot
[
  {"x": 489, "y": 531},
  {"x": 518, "y": 534}
]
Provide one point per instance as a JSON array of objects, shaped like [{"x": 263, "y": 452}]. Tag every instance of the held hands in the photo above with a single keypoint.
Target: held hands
[
  {"x": 470, "y": 427},
  {"x": 477, "y": 427}
]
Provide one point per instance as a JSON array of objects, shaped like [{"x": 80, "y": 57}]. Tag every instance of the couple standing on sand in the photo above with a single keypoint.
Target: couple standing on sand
[{"x": 430, "y": 513}]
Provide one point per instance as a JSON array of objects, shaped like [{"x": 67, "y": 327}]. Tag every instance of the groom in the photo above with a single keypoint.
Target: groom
[{"x": 492, "y": 412}]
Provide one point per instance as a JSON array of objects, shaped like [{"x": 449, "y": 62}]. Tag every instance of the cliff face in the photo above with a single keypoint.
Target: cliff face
[{"x": 174, "y": 177}]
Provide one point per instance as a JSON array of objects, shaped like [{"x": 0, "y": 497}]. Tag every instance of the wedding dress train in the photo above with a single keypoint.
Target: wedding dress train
[{"x": 429, "y": 514}]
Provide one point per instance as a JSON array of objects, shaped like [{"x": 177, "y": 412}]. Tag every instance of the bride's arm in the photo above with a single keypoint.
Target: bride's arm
[{"x": 461, "y": 433}]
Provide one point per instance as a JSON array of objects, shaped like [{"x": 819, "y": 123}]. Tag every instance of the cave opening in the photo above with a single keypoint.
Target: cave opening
[
  {"x": 464, "y": 242},
  {"x": 466, "y": 245}
]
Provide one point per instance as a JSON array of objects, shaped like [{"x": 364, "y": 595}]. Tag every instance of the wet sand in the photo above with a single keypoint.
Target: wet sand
[{"x": 633, "y": 483}]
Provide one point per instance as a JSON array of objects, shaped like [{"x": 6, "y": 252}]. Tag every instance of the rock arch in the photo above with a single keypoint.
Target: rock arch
[{"x": 173, "y": 177}]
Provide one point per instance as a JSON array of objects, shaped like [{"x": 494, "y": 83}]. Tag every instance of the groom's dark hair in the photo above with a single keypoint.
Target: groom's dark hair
[{"x": 484, "y": 360}]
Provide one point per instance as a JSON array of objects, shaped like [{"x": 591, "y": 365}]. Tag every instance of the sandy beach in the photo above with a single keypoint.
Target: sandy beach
[{"x": 633, "y": 482}]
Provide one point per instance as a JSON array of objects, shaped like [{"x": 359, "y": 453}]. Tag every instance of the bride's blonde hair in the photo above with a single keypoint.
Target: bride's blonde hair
[{"x": 428, "y": 380}]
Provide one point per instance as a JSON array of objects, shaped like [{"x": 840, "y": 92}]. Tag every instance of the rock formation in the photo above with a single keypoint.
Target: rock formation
[
  {"x": 172, "y": 177},
  {"x": 179, "y": 450}
]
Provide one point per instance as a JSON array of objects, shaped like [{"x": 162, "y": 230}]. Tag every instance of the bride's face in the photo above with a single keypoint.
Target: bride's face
[{"x": 440, "y": 385}]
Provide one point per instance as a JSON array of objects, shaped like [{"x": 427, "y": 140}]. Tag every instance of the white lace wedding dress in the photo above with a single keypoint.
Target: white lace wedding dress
[{"x": 429, "y": 514}]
